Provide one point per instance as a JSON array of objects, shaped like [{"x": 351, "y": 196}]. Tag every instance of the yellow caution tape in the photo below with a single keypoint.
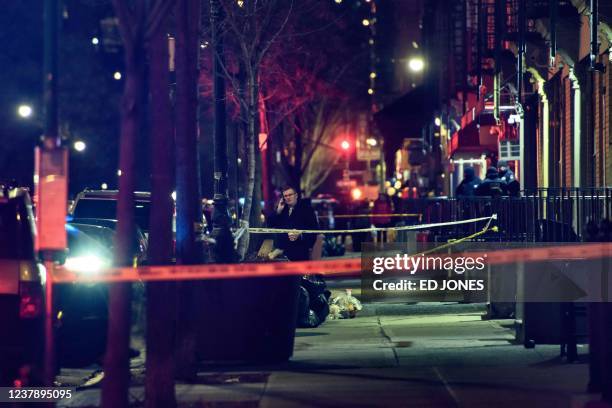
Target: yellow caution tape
[
  {"x": 370, "y": 215},
  {"x": 370, "y": 229}
]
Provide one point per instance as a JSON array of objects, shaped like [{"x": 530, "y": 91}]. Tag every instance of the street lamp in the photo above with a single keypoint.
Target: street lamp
[
  {"x": 24, "y": 111},
  {"x": 79, "y": 145},
  {"x": 416, "y": 64}
]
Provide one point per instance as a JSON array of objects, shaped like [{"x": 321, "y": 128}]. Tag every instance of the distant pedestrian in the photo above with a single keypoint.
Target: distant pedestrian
[
  {"x": 381, "y": 211},
  {"x": 493, "y": 185},
  {"x": 469, "y": 184},
  {"x": 505, "y": 173}
]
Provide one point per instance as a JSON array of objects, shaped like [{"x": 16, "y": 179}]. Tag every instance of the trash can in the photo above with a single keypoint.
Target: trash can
[{"x": 249, "y": 320}]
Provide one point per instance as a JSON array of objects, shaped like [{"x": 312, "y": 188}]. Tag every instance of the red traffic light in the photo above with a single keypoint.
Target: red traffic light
[{"x": 345, "y": 145}]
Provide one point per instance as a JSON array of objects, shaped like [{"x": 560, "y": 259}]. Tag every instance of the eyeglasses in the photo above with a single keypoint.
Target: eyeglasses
[{"x": 289, "y": 195}]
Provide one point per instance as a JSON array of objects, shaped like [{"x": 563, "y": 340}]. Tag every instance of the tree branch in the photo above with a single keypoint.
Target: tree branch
[
  {"x": 156, "y": 15},
  {"x": 126, "y": 22}
]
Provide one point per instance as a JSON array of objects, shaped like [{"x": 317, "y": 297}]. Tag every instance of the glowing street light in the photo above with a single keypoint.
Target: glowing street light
[
  {"x": 104, "y": 186},
  {"x": 117, "y": 75},
  {"x": 79, "y": 145},
  {"x": 437, "y": 121},
  {"x": 25, "y": 111},
  {"x": 416, "y": 64},
  {"x": 371, "y": 141},
  {"x": 356, "y": 193},
  {"x": 95, "y": 41},
  {"x": 345, "y": 145},
  {"x": 365, "y": 22}
]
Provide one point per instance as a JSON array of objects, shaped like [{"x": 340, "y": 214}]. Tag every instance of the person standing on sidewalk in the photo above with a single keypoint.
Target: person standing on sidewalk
[
  {"x": 381, "y": 211},
  {"x": 293, "y": 212}
]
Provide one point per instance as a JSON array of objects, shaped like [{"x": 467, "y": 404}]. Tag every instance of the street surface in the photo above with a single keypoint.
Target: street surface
[{"x": 421, "y": 355}]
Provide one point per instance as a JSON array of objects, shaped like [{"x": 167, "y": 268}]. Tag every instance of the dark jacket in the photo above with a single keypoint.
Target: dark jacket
[
  {"x": 469, "y": 184},
  {"x": 302, "y": 217},
  {"x": 492, "y": 186},
  {"x": 507, "y": 175},
  {"x": 512, "y": 183}
]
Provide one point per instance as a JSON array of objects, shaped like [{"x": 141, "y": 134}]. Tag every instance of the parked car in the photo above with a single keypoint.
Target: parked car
[
  {"x": 102, "y": 204},
  {"x": 82, "y": 308},
  {"x": 103, "y": 230},
  {"x": 21, "y": 292}
]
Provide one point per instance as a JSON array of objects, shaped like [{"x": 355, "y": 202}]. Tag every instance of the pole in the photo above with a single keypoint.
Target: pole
[
  {"x": 224, "y": 248},
  {"x": 51, "y": 16},
  {"x": 50, "y": 147}
]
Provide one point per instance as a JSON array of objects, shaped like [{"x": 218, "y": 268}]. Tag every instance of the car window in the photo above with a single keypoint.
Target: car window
[
  {"x": 16, "y": 238},
  {"x": 107, "y": 209}
]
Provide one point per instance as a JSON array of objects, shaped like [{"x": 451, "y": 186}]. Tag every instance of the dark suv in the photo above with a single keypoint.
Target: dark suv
[
  {"x": 102, "y": 204},
  {"x": 21, "y": 292}
]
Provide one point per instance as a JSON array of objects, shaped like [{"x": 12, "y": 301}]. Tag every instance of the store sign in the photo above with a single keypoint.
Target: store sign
[{"x": 346, "y": 183}]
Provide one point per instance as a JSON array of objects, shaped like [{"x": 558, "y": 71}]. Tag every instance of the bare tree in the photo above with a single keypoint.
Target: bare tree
[
  {"x": 188, "y": 201},
  {"x": 254, "y": 26},
  {"x": 136, "y": 24},
  {"x": 318, "y": 154},
  {"x": 289, "y": 62},
  {"x": 161, "y": 296}
]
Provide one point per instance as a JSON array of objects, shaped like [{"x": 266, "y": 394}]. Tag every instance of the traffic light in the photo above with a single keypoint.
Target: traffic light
[{"x": 345, "y": 145}]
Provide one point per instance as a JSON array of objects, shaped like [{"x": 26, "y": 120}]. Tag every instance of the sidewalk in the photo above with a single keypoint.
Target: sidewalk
[{"x": 396, "y": 355}]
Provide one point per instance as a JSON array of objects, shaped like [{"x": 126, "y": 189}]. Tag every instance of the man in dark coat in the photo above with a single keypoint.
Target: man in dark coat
[
  {"x": 467, "y": 187},
  {"x": 506, "y": 174},
  {"x": 492, "y": 186},
  {"x": 292, "y": 212}
]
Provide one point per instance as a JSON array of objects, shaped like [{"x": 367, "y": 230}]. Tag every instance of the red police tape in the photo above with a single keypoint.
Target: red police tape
[{"x": 333, "y": 267}]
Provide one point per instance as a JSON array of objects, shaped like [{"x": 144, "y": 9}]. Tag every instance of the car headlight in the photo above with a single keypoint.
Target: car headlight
[{"x": 86, "y": 264}]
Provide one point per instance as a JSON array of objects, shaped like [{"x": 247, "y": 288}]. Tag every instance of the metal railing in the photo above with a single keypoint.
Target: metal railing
[{"x": 540, "y": 215}]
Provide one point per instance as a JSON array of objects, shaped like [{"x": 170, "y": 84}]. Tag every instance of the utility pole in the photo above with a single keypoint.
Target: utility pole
[
  {"x": 50, "y": 182},
  {"x": 224, "y": 247}
]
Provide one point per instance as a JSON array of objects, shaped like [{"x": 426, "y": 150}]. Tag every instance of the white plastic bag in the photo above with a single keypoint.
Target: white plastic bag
[{"x": 344, "y": 306}]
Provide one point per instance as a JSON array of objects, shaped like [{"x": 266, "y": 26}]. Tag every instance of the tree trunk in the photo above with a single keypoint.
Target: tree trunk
[
  {"x": 159, "y": 387},
  {"x": 299, "y": 151},
  {"x": 116, "y": 362},
  {"x": 251, "y": 115},
  {"x": 188, "y": 201}
]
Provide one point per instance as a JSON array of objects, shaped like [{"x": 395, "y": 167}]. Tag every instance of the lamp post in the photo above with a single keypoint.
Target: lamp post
[
  {"x": 224, "y": 247},
  {"x": 50, "y": 181}
]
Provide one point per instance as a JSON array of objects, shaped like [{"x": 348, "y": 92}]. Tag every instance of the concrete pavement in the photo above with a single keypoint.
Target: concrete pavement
[{"x": 423, "y": 355}]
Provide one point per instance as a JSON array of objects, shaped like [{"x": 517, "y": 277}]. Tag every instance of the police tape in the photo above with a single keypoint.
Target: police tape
[
  {"x": 370, "y": 215},
  {"x": 343, "y": 267},
  {"x": 370, "y": 229}
]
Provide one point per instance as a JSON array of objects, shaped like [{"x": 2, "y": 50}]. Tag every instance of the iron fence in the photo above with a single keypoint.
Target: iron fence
[{"x": 540, "y": 215}]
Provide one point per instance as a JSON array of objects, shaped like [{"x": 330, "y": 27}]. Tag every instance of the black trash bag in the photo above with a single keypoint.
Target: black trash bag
[
  {"x": 306, "y": 317},
  {"x": 313, "y": 304}
]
